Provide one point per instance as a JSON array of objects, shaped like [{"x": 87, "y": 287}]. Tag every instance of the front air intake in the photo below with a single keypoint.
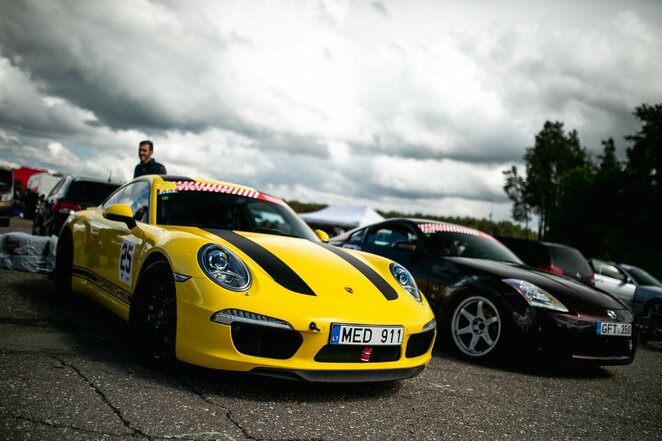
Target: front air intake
[{"x": 265, "y": 341}]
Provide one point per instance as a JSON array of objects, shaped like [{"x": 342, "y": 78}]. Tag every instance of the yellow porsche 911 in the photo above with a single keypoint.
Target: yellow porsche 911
[{"x": 224, "y": 276}]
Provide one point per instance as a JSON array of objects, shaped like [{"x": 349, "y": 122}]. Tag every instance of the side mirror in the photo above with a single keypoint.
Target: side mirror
[
  {"x": 120, "y": 213},
  {"x": 322, "y": 236}
]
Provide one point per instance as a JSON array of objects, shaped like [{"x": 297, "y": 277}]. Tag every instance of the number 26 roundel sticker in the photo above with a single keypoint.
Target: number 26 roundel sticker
[{"x": 126, "y": 261}]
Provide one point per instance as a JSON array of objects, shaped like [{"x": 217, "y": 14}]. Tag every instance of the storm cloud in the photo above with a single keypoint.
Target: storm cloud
[{"x": 410, "y": 106}]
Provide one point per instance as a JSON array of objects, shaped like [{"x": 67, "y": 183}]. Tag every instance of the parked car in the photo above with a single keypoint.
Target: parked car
[
  {"x": 553, "y": 257},
  {"x": 224, "y": 276},
  {"x": 635, "y": 287},
  {"x": 6, "y": 195},
  {"x": 70, "y": 194},
  {"x": 488, "y": 303},
  {"x": 38, "y": 187}
]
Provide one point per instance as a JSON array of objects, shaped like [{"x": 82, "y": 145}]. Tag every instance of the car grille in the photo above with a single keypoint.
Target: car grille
[
  {"x": 419, "y": 344},
  {"x": 602, "y": 347},
  {"x": 265, "y": 341},
  {"x": 352, "y": 354}
]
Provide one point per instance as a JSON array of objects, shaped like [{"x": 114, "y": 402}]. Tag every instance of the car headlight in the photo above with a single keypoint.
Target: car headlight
[
  {"x": 224, "y": 267},
  {"x": 405, "y": 280},
  {"x": 535, "y": 295}
]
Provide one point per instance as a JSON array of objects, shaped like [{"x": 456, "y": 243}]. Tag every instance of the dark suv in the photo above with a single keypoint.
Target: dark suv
[
  {"x": 69, "y": 195},
  {"x": 552, "y": 257},
  {"x": 6, "y": 195}
]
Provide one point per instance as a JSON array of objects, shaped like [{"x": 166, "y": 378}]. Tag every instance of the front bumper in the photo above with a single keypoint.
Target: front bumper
[
  {"x": 329, "y": 376},
  {"x": 301, "y": 353},
  {"x": 573, "y": 337}
]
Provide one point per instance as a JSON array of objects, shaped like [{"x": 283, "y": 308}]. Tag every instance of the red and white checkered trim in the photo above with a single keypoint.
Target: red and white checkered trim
[
  {"x": 225, "y": 188},
  {"x": 448, "y": 228},
  {"x": 216, "y": 188}
]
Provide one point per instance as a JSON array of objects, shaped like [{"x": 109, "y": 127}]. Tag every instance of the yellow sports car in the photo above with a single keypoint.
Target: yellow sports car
[{"x": 224, "y": 276}]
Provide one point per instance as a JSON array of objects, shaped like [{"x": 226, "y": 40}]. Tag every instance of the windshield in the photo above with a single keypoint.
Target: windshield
[
  {"x": 641, "y": 276},
  {"x": 469, "y": 245},
  {"x": 226, "y": 211}
]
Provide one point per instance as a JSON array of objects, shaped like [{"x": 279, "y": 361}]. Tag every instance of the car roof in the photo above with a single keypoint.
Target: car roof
[{"x": 207, "y": 185}]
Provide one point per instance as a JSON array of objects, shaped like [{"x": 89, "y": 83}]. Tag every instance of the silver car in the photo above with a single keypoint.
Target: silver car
[{"x": 639, "y": 290}]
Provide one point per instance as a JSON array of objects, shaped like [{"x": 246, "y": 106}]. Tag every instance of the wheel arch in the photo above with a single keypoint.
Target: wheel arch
[
  {"x": 469, "y": 286},
  {"x": 649, "y": 302},
  {"x": 156, "y": 256},
  {"x": 143, "y": 293}
]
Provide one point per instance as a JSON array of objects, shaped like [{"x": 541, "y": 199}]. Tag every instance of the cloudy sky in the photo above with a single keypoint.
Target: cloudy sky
[{"x": 406, "y": 105}]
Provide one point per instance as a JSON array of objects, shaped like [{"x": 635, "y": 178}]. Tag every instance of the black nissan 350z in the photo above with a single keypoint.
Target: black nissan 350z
[{"x": 488, "y": 303}]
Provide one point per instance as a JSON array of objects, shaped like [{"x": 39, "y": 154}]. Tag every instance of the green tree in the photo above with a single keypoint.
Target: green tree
[
  {"x": 645, "y": 156},
  {"x": 608, "y": 161},
  {"x": 553, "y": 154},
  {"x": 643, "y": 191},
  {"x": 514, "y": 188},
  {"x": 305, "y": 207}
]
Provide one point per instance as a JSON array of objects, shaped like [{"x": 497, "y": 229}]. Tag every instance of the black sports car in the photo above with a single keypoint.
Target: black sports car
[{"x": 488, "y": 302}]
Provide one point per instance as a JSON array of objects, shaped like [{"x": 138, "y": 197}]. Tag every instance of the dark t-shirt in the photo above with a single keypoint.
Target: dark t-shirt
[{"x": 151, "y": 168}]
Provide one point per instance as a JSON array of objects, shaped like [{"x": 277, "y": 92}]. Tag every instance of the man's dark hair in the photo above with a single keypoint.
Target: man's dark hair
[{"x": 149, "y": 143}]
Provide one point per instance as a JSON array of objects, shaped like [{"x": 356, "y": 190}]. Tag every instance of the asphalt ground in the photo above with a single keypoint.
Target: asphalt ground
[{"x": 65, "y": 374}]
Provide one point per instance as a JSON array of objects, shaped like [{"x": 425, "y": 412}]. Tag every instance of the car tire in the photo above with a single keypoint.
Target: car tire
[
  {"x": 4, "y": 222},
  {"x": 647, "y": 333},
  {"x": 153, "y": 315},
  {"x": 64, "y": 264},
  {"x": 476, "y": 327}
]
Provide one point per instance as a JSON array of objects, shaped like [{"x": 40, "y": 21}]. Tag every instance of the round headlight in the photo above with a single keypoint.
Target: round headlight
[
  {"x": 218, "y": 260},
  {"x": 224, "y": 267},
  {"x": 405, "y": 280}
]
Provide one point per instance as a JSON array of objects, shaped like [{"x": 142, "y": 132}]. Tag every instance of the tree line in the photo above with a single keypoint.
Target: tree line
[
  {"x": 606, "y": 207},
  {"x": 501, "y": 228}
]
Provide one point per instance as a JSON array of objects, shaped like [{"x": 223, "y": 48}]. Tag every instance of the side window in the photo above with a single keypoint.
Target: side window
[
  {"x": 388, "y": 237},
  {"x": 140, "y": 201},
  {"x": 115, "y": 198},
  {"x": 396, "y": 242},
  {"x": 609, "y": 270},
  {"x": 57, "y": 187},
  {"x": 134, "y": 195},
  {"x": 356, "y": 237}
]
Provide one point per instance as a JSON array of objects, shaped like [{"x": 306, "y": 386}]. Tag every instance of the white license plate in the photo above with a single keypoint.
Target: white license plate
[
  {"x": 617, "y": 329},
  {"x": 366, "y": 335}
]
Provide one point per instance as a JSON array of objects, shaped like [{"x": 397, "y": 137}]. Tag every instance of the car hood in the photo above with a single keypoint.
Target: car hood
[
  {"x": 316, "y": 273},
  {"x": 567, "y": 290}
]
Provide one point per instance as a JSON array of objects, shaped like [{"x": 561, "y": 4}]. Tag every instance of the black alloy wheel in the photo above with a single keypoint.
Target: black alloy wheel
[
  {"x": 153, "y": 314},
  {"x": 64, "y": 264}
]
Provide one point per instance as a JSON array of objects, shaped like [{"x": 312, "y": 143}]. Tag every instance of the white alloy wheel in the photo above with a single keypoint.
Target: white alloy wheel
[{"x": 476, "y": 326}]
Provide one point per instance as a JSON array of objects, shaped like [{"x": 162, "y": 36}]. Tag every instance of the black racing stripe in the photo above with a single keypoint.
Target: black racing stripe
[
  {"x": 276, "y": 268},
  {"x": 102, "y": 283},
  {"x": 377, "y": 280}
]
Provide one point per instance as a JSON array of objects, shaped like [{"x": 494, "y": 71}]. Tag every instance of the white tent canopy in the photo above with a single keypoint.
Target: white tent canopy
[{"x": 345, "y": 216}]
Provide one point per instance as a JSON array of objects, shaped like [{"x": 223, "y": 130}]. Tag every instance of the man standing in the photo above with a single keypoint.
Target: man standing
[{"x": 147, "y": 164}]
